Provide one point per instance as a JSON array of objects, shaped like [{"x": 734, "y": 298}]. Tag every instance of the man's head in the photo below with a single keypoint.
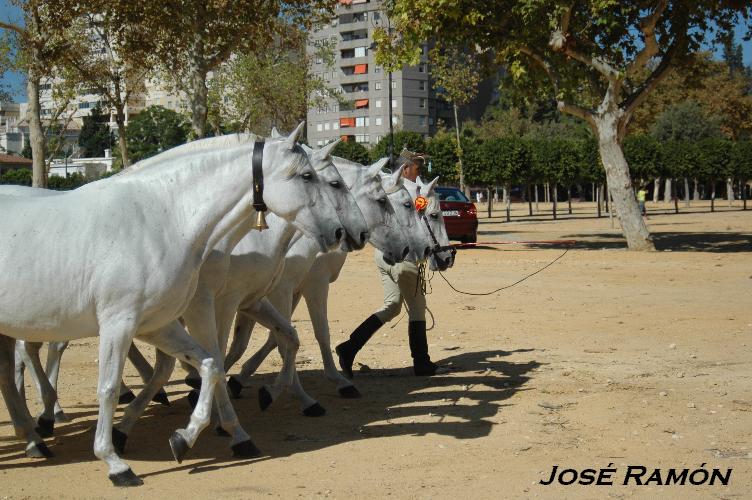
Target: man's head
[{"x": 413, "y": 163}]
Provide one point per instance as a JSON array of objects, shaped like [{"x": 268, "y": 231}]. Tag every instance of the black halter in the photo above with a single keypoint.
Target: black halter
[{"x": 258, "y": 177}]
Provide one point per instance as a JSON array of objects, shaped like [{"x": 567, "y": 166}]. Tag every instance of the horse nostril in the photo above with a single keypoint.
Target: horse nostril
[
  {"x": 427, "y": 252},
  {"x": 363, "y": 237},
  {"x": 339, "y": 233},
  {"x": 405, "y": 251}
]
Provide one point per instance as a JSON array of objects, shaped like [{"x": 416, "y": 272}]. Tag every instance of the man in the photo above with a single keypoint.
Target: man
[
  {"x": 400, "y": 283},
  {"x": 641, "y": 195}
]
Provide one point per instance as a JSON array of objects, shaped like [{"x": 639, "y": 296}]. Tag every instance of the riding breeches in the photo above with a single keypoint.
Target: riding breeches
[{"x": 400, "y": 283}]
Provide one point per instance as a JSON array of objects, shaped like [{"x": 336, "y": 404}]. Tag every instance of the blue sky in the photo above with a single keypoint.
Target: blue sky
[{"x": 15, "y": 84}]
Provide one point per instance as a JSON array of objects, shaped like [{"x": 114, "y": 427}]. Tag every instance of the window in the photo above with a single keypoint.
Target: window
[
  {"x": 319, "y": 143},
  {"x": 422, "y": 85},
  {"x": 430, "y": 120},
  {"x": 319, "y": 60},
  {"x": 378, "y": 120},
  {"x": 335, "y": 126},
  {"x": 422, "y": 120},
  {"x": 394, "y": 120},
  {"x": 378, "y": 103},
  {"x": 377, "y": 86},
  {"x": 319, "y": 127},
  {"x": 422, "y": 68},
  {"x": 377, "y": 69},
  {"x": 394, "y": 85},
  {"x": 326, "y": 126},
  {"x": 422, "y": 103},
  {"x": 346, "y": 122},
  {"x": 362, "y": 121},
  {"x": 360, "y": 52},
  {"x": 361, "y": 104},
  {"x": 362, "y": 138},
  {"x": 394, "y": 103}
]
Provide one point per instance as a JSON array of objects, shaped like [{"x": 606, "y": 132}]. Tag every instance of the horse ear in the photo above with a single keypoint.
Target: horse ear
[
  {"x": 374, "y": 169},
  {"x": 275, "y": 133},
  {"x": 293, "y": 137},
  {"x": 308, "y": 149},
  {"x": 326, "y": 151},
  {"x": 396, "y": 176},
  {"x": 429, "y": 187}
]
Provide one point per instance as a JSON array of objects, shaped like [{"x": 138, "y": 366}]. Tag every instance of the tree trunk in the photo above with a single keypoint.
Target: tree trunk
[
  {"x": 656, "y": 189},
  {"x": 676, "y": 197},
  {"x": 488, "y": 192},
  {"x": 730, "y": 191},
  {"x": 686, "y": 192},
  {"x": 554, "y": 196},
  {"x": 536, "y": 198},
  {"x": 598, "y": 199},
  {"x": 593, "y": 190},
  {"x": 508, "y": 199},
  {"x": 620, "y": 185},
  {"x": 36, "y": 134},
  {"x": 122, "y": 140},
  {"x": 667, "y": 190},
  {"x": 463, "y": 187},
  {"x": 529, "y": 201},
  {"x": 569, "y": 198},
  {"x": 696, "y": 194},
  {"x": 744, "y": 194},
  {"x": 547, "y": 192},
  {"x": 606, "y": 198},
  {"x": 712, "y": 195}
]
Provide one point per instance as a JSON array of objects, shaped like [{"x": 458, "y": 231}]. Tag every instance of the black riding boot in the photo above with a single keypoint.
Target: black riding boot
[
  {"x": 347, "y": 350},
  {"x": 422, "y": 364}
]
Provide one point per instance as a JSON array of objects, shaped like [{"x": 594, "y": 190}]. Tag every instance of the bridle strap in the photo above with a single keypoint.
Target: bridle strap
[{"x": 258, "y": 176}]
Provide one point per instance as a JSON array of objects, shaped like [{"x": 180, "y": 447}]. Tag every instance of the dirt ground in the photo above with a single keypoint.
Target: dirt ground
[{"x": 607, "y": 357}]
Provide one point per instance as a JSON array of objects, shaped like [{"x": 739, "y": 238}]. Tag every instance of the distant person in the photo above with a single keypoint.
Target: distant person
[
  {"x": 641, "y": 195},
  {"x": 479, "y": 197}
]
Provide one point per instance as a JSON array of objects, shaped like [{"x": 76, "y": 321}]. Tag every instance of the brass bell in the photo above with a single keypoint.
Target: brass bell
[{"x": 260, "y": 223}]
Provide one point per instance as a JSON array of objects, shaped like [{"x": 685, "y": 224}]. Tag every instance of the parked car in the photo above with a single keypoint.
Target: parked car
[{"x": 460, "y": 215}]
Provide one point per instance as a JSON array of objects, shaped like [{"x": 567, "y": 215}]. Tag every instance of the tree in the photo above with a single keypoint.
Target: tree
[
  {"x": 585, "y": 54},
  {"x": 685, "y": 121},
  {"x": 402, "y": 139},
  {"x": 154, "y": 130},
  {"x": 456, "y": 78},
  {"x": 95, "y": 134},
  {"x": 353, "y": 151},
  {"x": 207, "y": 33},
  {"x": 442, "y": 157},
  {"x": 39, "y": 42}
]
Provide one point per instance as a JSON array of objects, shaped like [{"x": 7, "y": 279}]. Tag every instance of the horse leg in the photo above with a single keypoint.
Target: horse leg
[
  {"x": 19, "y": 368},
  {"x": 316, "y": 299},
  {"x": 201, "y": 320},
  {"x": 52, "y": 368},
  {"x": 161, "y": 375},
  {"x": 19, "y": 413},
  {"x": 116, "y": 335},
  {"x": 146, "y": 372},
  {"x": 46, "y": 420},
  {"x": 243, "y": 328}
]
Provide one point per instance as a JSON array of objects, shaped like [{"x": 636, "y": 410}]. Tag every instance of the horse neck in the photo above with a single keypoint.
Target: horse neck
[
  {"x": 210, "y": 195},
  {"x": 274, "y": 241}
]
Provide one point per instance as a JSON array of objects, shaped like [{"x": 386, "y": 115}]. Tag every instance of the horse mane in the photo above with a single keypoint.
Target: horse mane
[{"x": 222, "y": 141}]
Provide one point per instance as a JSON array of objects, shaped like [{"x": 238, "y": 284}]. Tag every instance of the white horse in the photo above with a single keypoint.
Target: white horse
[
  {"x": 121, "y": 257},
  {"x": 308, "y": 274}
]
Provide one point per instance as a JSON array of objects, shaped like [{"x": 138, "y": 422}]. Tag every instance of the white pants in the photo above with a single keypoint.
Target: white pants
[{"x": 400, "y": 283}]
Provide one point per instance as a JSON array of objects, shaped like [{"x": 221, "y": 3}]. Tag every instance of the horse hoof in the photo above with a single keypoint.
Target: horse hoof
[
  {"x": 315, "y": 410},
  {"x": 246, "y": 449},
  {"x": 161, "y": 398},
  {"x": 234, "y": 387},
  {"x": 61, "y": 417},
  {"x": 118, "y": 440},
  {"x": 219, "y": 431},
  {"x": 45, "y": 428},
  {"x": 39, "y": 450},
  {"x": 179, "y": 446},
  {"x": 193, "y": 382},
  {"x": 125, "y": 479},
  {"x": 193, "y": 398},
  {"x": 349, "y": 392},
  {"x": 265, "y": 398},
  {"x": 126, "y": 398}
]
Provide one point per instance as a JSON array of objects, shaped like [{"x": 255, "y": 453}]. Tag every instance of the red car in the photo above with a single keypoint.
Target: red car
[{"x": 460, "y": 215}]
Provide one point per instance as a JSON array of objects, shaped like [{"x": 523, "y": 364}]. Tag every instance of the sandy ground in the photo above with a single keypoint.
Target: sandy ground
[{"x": 606, "y": 357}]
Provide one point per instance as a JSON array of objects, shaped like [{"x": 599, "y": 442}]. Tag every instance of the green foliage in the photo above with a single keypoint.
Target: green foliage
[
  {"x": 95, "y": 134},
  {"x": 353, "y": 151},
  {"x": 686, "y": 121},
  {"x": 26, "y": 151},
  {"x": 18, "y": 176},
  {"x": 154, "y": 130},
  {"x": 73, "y": 181},
  {"x": 402, "y": 139},
  {"x": 643, "y": 155},
  {"x": 715, "y": 159},
  {"x": 442, "y": 152}
]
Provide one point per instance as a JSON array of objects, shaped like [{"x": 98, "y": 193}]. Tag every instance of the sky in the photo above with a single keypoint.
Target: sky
[{"x": 14, "y": 82}]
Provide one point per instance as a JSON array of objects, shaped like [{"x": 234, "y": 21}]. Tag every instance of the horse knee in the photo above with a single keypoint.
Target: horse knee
[
  {"x": 210, "y": 371},
  {"x": 108, "y": 391}
]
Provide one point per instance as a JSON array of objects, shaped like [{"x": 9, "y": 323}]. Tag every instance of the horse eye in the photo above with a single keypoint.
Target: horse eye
[
  {"x": 435, "y": 216},
  {"x": 382, "y": 200},
  {"x": 407, "y": 204},
  {"x": 335, "y": 184},
  {"x": 307, "y": 176}
]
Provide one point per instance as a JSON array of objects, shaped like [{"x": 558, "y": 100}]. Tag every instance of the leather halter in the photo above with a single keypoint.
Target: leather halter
[{"x": 258, "y": 177}]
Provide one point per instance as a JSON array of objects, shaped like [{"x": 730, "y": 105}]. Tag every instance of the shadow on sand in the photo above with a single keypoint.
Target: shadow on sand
[
  {"x": 716, "y": 242},
  {"x": 462, "y": 404}
]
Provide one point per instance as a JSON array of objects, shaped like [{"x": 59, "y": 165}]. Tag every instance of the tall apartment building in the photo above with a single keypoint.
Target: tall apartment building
[{"x": 364, "y": 117}]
